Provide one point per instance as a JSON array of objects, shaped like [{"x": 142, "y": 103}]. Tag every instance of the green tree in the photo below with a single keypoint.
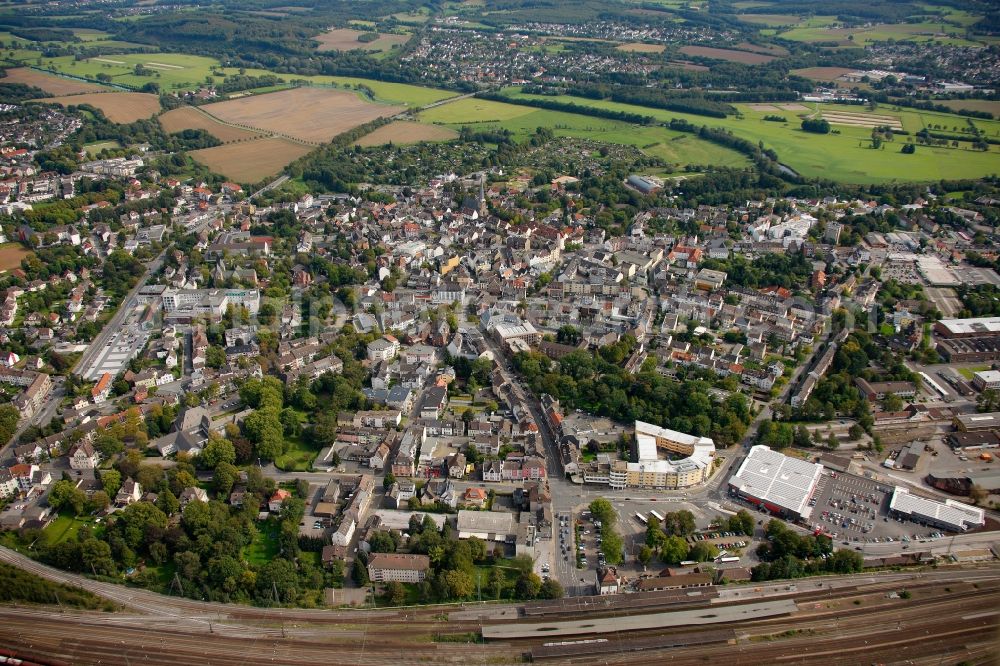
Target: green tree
[
  {"x": 9, "y": 417},
  {"x": 395, "y": 593},
  {"x": 217, "y": 450},
  {"x": 458, "y": 584},
  {"x": 359, "y": 572},
  {"x": 66, "y": 496},
  {"x": 703, "y": 552},
  {"x": 528, "y": 585},
  {"x": 111, "y": 481},
  {"x": 603, "y": 511},
  {"x": 611, "y": 545},
  {"x": 496, "y": 582},
  {"x": 551, "y": 589},
  {"x": 225, "y": 478},
  {"x": 645, "y": 555},
  {"x": 167, "y": 502},
  {"x": 674, "y": 550}
]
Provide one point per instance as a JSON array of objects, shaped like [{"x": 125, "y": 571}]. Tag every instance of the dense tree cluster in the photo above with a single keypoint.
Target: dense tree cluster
[
  {"x": 786, "y": 554},
  {"x": 596, "y": 382}
]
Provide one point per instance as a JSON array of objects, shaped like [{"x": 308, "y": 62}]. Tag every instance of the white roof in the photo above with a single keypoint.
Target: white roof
[
  {"x": 954, "y": 514},
  {"x": 973, "y": 325},
  {"x": 989, "y": 376},
  {"x": 703, "y": 449},
  {"x": 777, "y": 479}
]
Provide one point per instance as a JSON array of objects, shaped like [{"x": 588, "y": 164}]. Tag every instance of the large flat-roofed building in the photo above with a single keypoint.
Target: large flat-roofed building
[
  {"x": 977, "y": 422},
  {"x": 209, "y": 301},
  {"x": 649, "y": 471},
  {"x": 967, "y": 328},
  {"x": 781, "y": 484},
  {"x": 948, "y": 515},
  {"x": 976, "y": 349},
  {"x": 405, "y": 568},
  {"x": 986, "y": 379},
  {"x": 486, "y": 525}
]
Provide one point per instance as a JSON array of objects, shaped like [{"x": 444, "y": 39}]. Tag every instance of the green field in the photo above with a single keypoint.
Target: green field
[
  {"x": 65, "y": 527},
  {"x": 674, "y": 147},
  {"x": 264, "y": 546},
  {"x": 881, "y": 32},
  {"x": 95, "y": 148},
  {"x": 172, "y": 71},
  {"x": 844, "y": 156},
  {"x": 387, "y": 93}
]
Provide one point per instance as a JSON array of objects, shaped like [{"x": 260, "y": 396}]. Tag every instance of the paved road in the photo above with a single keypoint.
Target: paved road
[{"x": 93, "y": 350}]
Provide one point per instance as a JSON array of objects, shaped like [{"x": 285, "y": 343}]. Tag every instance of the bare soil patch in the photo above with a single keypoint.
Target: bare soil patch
[
  {"x": 763, "y": 107},
  {"x": 11, "y": 255},
  {"x": 639, "y": 47},
  {"x": 251, "y": 161},
  {"x": 727, "y": 54},
  {"x": 54, "y": 85},
  {"x": 189, "y": 118},
  {"x": 792, "y": 107},
  {"x": 309, "y": 114},
  {"x": 118, "y": 107},
  {"x": 758, "y": 48},
  {"x": 689, "y": 66},
  {"x": 403, "y": 132},
  {"x": 822, "y": 73}
]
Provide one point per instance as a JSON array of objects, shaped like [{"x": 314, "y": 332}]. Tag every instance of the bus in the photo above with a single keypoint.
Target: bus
[
  {"x": 657, "y": 515},
  {"x": 728, "y": 559},
  {"x": 641, "y": 518}
]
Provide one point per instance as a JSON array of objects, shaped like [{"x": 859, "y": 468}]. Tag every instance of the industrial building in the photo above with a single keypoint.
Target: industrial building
[
  {"x": 977, "y": 422},
  {"x": 971, "y": 340},
  {"x": 780, "y": 484},
  {"x": 948, "y": 515},
  {"x": 487, "y": 525}
]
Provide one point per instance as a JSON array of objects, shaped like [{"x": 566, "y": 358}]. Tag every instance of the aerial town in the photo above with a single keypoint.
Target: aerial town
[{"x": 536, "y": 385}]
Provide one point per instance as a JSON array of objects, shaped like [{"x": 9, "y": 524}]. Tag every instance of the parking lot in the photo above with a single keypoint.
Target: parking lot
[{"x": 852, "y": 509}]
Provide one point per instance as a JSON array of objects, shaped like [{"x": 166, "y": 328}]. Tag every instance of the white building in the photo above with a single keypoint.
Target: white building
[{"x": 405, "y": 568}]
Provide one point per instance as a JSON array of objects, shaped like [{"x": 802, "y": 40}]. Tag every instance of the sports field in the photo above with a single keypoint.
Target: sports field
[
  {"x": 309, "y": 114},
  {"x": 673, "y": 147},
  {"x": 171, "y": 71},
  {"x": 54, "y": 85},
  {"x": 744, "y": 57},
  {"x": 844, "y": 156},
  {"x": 187, "y": 117},
  {"x": 94, "y": 149},
  {"x": 118, "y": 107},
  {"x": 404, "y": 132},
  {"x": 345, "y": 39},
  {"x": 250, "y": 161}
]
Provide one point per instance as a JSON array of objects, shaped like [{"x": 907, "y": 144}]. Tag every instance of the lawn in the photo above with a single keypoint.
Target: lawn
[
  {"x": 972, "y": 370},
  {"x": 298, "y": 458},
  {"x": 385, "y": 93},
  {"x": 172, "y": 71},
  {"x": 264, "y": 546},
  {"x": 95, "y": 148},
  {"x": 845, "y": 156},
  {"x": 673, "y": 147},
  {"x": 65, "y": 527}
]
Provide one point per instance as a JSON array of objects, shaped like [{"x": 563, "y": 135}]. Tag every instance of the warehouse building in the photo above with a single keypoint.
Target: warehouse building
[
  {"x": 977, "y": 422},
  {"x": 948, "y": 515},
  {"x": 780, "y": 484},
  {"x": 487, "y": 525}
]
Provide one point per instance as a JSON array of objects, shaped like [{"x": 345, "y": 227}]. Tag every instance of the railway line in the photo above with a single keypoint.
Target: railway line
[{"x": 947, "y": 613}]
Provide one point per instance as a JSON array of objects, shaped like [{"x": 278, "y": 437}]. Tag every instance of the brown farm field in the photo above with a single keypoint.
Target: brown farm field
[
  {"x": 767, "y": 50},
  {"x": 403, "y": 132},
  {"x": 308, "y": 114},
  {"x": 822, "y": 73},
  {"x": 727, "y": 54},
  {"x": 118, "y": 107},
  {"x": 54, "y": 85},
  {"x": 345, "y": 39},
  {"x": 11, "y": 255},
  {"x": 187, "y": 117},
  {"x": 250, "y": 161},
  {"x": 639, "y": 47}
]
